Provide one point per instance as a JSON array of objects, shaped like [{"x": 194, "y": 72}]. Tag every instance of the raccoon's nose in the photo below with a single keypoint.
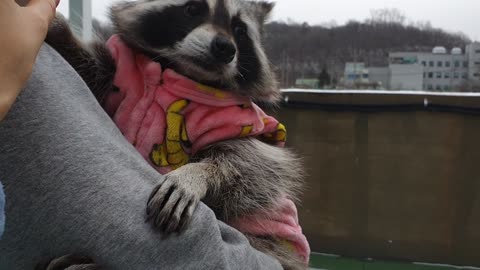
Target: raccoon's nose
[{"x": 223, "y": 50}]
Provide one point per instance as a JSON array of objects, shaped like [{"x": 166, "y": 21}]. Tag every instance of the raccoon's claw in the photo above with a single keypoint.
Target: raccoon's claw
[
  {"x": 172, "y": 203},
  {"x": 69, "y": 262}
]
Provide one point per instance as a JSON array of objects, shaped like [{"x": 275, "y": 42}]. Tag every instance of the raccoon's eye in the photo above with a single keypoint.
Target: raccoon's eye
[
  {"x": 193, "y": 9},
  {"x": 240, "y": 31}
]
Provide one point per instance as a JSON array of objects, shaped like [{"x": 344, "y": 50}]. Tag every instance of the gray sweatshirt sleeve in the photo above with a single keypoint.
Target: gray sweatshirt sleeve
[{"x": 74, "y": 185}]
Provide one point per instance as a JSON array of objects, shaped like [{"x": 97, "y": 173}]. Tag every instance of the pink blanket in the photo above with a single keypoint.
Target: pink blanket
[
  {"x": 169, "y": 117},
  {"x": 282, "y": 223}
]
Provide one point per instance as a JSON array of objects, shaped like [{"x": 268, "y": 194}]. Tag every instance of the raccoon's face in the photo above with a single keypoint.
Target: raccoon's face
[{"x": 215, "y": 42}]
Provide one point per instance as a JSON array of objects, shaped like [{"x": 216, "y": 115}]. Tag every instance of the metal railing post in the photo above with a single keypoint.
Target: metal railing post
[{"x": 80, "y": 17}]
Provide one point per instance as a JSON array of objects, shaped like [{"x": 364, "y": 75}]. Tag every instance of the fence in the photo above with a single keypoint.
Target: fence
[{"x": 392, "y": 175}]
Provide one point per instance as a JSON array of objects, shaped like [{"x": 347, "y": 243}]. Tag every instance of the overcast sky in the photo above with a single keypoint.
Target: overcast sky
[{"x": 451, "y": 15}]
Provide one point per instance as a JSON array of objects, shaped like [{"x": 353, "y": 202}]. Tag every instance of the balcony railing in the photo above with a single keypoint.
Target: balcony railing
[
  {"x": 80, "y": 17},
  {"x": 392, "y": 175}
]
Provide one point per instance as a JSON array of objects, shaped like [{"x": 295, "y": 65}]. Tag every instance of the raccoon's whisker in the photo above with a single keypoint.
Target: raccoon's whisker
[
  {"x": 156, "y": 58},
  {"x": 242, "y": 67},
  {"x": 241, "y": 74}
]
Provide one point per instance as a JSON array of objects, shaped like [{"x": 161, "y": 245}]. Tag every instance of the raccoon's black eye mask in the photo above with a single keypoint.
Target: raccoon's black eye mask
[
  {"x": 164, "y": 28},
  {"x": 194, "y": 9}
]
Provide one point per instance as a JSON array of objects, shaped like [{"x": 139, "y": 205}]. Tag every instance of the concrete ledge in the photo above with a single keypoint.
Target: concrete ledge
[{"x": 361, "y": 100}]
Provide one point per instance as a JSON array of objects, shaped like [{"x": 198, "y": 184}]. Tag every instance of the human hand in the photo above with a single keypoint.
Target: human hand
[{"x": 22, "y": 31}]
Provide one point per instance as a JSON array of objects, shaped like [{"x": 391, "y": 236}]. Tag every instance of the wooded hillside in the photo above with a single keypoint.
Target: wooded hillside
[{"x": 300, "y": 50}]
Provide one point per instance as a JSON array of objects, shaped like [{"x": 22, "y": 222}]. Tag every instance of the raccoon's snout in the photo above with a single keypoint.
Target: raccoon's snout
[{"x": 223, "y": 50}]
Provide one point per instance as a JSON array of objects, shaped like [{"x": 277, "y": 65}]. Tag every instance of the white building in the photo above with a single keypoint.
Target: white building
[
  {"x": 380, "y": 75},
  {"x": 473, "y": 52},
  {"x": 439, "y": 70},
  {"x": 406, "y": 77},
  {"x": 355, "y": 73}
]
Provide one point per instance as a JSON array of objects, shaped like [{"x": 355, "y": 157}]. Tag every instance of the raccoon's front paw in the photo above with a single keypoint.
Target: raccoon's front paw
[
  {"x": 171, "y": 204},
  {"x": 69, "y": 262}
]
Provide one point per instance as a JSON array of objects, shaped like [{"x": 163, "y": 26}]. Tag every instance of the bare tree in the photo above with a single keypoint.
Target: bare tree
[{"x": 387, "y": 16}]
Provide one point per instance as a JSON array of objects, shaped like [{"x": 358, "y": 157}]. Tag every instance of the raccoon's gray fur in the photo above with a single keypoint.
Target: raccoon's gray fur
[{"x": 218, "y": 43}]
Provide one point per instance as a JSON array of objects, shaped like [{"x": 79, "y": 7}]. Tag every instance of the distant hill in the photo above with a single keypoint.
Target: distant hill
[{"x": 307, "y": 49}]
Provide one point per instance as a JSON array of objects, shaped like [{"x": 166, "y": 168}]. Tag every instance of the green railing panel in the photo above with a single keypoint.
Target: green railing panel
[
  {"x": 322, "y": 262},
  {"x": 334, "y": 263}
]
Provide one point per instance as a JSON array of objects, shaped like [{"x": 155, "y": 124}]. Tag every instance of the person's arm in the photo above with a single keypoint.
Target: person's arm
[
  {"x": 75, "y": 185},
  {"x": 22, "y": 31},
  {"x": 2, "y": 213}
]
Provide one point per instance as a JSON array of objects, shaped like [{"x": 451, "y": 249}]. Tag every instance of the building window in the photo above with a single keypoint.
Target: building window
[
  {"x": 447, "y": 64},
  {"x": 447, "y": 75},
  {"x": 477, "y": 51},
  {"x": 446, "y": 87},
  {"x": 439, "y": 75},
  {"x": 424, "y": 63},
  {"x": 439, "y": 87},
  {"x": 457, "y": 63},
  {"x": 476, "y": 74},
  {"x": 455, "y": 75},
  {"x": 430, "y": 75},
  {"x": 410, "y": 60},
  {"x": 439, "y": 64},
  {"x": 431, "y": 63},
  {"x": 477, "y": 63},
  {"x": 424, "y": 75},
  {"x": 465, "y": 75},
  {"x": 430, "y": 87},
  {"x": 397, "y": 60},
  {"x": 465, "y": 64}
]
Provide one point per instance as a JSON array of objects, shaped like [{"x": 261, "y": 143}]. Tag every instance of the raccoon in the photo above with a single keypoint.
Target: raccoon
[{"x": 216, "y": 43}]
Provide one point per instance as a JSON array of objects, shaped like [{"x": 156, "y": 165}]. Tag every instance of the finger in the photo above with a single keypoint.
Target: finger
[
  {"x": 44, "y": 8},
  {"x": 152, "y": 195},
  {"x": 174, "y": 223},
  {"x": 84, "y": 267},
  {"x": 158, "y": 200},
  {"x": 65, "y": 261},
  {"x": 186, "y": 216},
  {"x": 164, "y": 216}
]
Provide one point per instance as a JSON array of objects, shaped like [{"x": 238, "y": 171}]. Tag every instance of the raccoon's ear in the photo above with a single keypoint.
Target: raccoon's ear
[
  {"x": 262, "y": 10},
  {"x": 120, "y": 6}
]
